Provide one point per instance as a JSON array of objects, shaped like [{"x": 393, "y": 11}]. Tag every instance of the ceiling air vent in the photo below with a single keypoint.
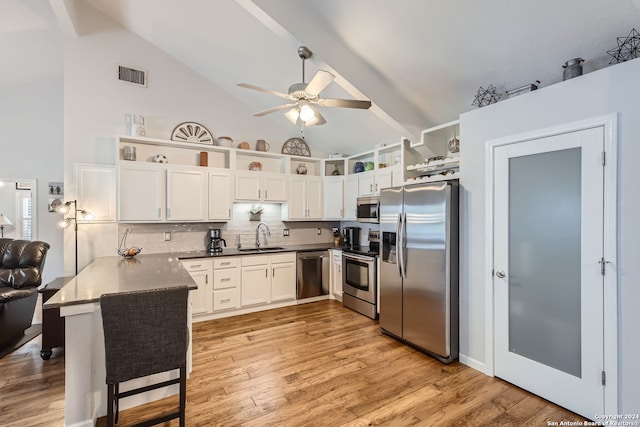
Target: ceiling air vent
[{"x": 133, "y": 76}]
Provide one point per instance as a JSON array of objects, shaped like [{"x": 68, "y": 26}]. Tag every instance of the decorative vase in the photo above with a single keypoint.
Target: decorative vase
[
  {"x": 254, "y": 216},
  {"x": 301, "y": 169},
  {"x": 358, "y": 167}
]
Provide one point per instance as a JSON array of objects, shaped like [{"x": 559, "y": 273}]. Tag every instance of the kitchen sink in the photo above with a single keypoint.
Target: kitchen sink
[{"x": 263, "y": 249}]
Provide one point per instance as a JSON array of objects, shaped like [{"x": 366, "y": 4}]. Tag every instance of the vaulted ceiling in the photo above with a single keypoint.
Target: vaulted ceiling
[{"x": 420, "y": 62}]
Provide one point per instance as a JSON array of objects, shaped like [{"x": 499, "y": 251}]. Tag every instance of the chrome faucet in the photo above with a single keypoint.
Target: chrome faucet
[{"x": 258, "y": 233}]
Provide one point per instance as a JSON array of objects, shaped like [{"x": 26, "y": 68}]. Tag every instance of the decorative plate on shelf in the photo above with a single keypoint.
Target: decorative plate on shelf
[
  {"x": 296, "y": 146},
  {"x": 192, "y": 132}
]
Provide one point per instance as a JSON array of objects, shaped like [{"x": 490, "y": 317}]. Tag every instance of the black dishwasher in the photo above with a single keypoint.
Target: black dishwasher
[{"x": 313, "y": 274}]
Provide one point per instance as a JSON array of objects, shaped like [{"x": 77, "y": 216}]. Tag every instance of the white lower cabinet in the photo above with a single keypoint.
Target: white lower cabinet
[
  {"x": 255, "y": 280},
  {"x": 230, "y": 283},
  {"x": 226, "y": 283},
  {"x": 268, "y": 278},
  {"x": 283, "y": 277},
  {"x": 200, "y": 271},
  {"x": 336, "y": 273}
]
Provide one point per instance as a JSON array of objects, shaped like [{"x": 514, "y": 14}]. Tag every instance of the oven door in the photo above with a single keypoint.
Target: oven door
[{"x": 359, "y": 276}]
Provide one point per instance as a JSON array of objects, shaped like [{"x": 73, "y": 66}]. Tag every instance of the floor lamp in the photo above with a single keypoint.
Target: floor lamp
[
  {"x": 4, "y": 221},
  {"x": 64, "y": 209}
]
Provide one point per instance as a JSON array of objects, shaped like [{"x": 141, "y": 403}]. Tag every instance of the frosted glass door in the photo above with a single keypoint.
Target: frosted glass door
[
  {"x": 548, "y": 240},
  {"x": 544, "y": 258}
]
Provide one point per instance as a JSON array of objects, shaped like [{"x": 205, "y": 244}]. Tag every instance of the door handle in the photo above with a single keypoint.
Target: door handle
[{"x": 500, "y": 274}]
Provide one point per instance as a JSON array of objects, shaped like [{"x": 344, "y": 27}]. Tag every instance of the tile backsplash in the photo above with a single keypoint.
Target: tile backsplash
[{"x": 186, "y": 237}]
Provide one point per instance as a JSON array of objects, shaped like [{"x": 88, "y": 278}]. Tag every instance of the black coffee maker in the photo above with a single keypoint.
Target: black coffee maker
[
  {"x": 351, "y": 236},
  {"x": 216, "y": 241}
]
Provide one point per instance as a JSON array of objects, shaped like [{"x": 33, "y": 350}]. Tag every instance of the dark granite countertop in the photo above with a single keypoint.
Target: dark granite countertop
[{"x": 252, "y": 251}]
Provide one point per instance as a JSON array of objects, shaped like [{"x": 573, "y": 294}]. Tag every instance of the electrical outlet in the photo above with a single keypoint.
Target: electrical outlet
[
  {"x": 167, "y": 236},
  {"x": 285, "y": 232},
  {"x": 318, "y": 231}
]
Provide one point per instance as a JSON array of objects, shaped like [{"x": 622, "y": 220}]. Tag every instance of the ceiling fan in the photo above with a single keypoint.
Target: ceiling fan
[{"x": 306, "y": 97}]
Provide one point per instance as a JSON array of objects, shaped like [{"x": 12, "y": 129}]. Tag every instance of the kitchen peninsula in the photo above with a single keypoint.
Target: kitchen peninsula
[{"x": 78, "y": 300}]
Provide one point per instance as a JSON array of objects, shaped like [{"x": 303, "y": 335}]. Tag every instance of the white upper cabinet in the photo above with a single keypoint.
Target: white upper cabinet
[
  {"x": 140, "y": 192},
  {"x": 305, "y": 198},
  {"x": 186, "y": 195},
  {"x": 257, "y": 186},
  {"x": 96, "y": 190},
  {"x": 220, "y": 196},
  {"x": 333, "y": 197}
]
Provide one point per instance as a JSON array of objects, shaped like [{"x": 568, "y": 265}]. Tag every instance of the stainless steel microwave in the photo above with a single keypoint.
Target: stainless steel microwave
[{"x": 368, "y": 209}]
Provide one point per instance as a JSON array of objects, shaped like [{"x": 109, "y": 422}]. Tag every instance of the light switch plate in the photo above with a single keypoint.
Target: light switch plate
[
  {"x": 167, "y": 236},
  {"x": 318, "y": 231}
]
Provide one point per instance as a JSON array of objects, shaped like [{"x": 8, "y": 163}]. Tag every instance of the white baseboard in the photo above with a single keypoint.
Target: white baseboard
[{"x": 473, "y": 363}]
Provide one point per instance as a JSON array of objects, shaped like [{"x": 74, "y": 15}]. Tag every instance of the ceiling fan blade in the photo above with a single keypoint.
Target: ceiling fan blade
[
  {"x": 319, "y": 82},
  {"x": 261, "y": 89},
  {"x": 344, "y": 103},
  {"x": 273, "y": 110}
]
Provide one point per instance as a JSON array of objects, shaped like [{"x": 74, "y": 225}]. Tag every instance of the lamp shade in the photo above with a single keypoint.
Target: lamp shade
[{"x": 4, "y": 220}]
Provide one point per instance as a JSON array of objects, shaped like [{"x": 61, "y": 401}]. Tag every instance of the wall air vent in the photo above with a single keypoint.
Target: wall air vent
[{"x": 133, "y": 76}]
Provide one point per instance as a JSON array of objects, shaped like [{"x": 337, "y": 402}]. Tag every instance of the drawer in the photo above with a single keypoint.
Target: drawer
[
  {"x": 250, "y": 260},
  {"x": 286, "y": 257},
  {"x": 225, "y": 299},
  {"x": 229, "y": 262},
  {"x": 197, "y": 265},
  {"x": 226, "y": 278}
]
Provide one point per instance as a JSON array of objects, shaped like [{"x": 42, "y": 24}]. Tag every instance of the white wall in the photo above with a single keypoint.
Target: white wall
[
  {"x": 612, "y": 90},
  {"x": 95, "y": 104},
  {"x": 31, "y": 109}
]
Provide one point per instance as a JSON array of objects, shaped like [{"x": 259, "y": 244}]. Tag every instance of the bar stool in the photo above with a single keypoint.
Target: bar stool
[{"x": 145, "y": 332}]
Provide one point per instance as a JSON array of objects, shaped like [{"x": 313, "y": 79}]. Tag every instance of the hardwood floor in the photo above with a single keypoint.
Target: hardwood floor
[{"x": 315, "y": 364}]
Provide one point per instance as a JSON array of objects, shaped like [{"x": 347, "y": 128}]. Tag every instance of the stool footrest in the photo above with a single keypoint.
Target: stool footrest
[{"x": 148, "y": 388}]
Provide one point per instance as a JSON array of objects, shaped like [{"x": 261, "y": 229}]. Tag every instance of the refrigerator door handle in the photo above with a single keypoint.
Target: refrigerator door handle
[
  {"x": 398, "y": 247},
  {"x": 403, "y": 233}
]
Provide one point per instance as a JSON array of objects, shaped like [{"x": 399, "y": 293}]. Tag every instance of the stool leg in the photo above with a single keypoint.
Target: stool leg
[
  {"x": 117, "y": 401},
  {"x": 110, "y": 395},
  {"x": 183, "y": 394}
]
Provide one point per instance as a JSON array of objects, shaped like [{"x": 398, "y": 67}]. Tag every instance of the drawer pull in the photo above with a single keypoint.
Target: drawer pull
[
  {"x": 222, "y": 301},
  {"x": 226, "y": 279},
  {"x": 196, "y": 266},
  {"x": 226, "y": 263}
]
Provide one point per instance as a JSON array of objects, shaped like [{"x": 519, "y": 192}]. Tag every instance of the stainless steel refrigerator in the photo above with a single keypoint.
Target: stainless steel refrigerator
[{"x": 419, "y": 266}]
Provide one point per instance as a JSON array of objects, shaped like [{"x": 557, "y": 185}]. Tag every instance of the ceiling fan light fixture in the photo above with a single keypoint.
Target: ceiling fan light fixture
[
  {"x": 306, "y": 113},
  {"x": 293, "y": 115}
]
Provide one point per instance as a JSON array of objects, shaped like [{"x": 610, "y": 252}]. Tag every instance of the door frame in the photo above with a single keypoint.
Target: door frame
[{"x": 609, "y": 123}]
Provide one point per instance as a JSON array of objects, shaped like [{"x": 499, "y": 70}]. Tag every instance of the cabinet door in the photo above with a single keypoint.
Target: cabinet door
[
  {"x": 186, "y": 195},
  {"x": 140, "y": 193},
  {"x": 201, "y": 297},
  {"x": 220, "y": 191},
  {"x": 297, "y": 206},
  {"x": 333, "y": 205},
  {"x": 336, "y": 274},
  {"x": 247, "y": 186},
  {"x": 350, "y": 197},
  {"x": 366, "y": 184},
  {"x": 274, "y": 188},
  {"x": 96, "y": 190},
  {"x": 314, "y": 197},
  {"x": 255, "y": 285},
  {"x": 283, "y": 281},
  {"x": 384, "y": 179}
]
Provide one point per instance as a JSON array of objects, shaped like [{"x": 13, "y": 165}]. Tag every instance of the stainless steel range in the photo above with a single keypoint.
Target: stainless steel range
[{"x": 359, "y": 277}]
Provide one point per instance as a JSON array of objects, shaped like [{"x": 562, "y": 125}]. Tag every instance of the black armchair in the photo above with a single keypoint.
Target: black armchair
[{"x": 21, "y": 264}]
